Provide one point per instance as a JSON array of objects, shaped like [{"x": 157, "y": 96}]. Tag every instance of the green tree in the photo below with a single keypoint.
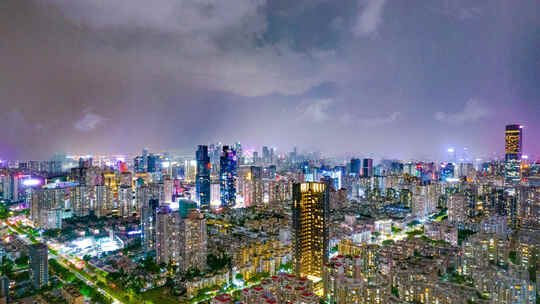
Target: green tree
[{"x": 22, "y": 261}]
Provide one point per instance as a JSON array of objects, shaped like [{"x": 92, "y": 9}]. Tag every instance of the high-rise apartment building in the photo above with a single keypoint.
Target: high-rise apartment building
[
  {"x": 79, "y": 200},
  {"x": 103, "y": 203},
  {"x": 513, "y": 151},
  {"x": 310, "y": 208},
  {"x": 39, "y": 270},
  {"x": 167, "y": 236},
  {"x": 252, "y": 186},
  {"x": 125, "y": 201},
  {"x": 168, "y": 189},
  {"x": 203, "y": 177},
  {"x": 227, "y": 177},
  {"x": 47, "y": 206},
  {"x": 192, "y": 241}
]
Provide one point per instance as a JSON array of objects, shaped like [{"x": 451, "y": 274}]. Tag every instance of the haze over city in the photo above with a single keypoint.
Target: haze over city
[
  {"x": 269, "y": 152},
  {"x": 388, "y": 78}
]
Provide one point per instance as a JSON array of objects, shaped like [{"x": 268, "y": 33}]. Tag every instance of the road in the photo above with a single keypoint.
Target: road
[{"x": 60, "y": 259}]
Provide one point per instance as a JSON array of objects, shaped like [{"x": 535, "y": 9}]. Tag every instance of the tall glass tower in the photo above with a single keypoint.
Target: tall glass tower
[
  {"x": 227, "y": 177},
  {"x": 513, "y": 151},
  {"x": 203, "y": 177},
  {"x": 310, "y": 212}
]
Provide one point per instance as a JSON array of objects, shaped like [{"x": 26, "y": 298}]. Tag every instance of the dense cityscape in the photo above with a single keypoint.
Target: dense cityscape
[
  {"x": 224, "y": 225},
  {"x": 269, "y": 152}
]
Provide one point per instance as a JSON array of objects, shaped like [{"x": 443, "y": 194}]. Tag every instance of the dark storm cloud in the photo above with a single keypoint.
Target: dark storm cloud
[{"x": 355, "y": 76}]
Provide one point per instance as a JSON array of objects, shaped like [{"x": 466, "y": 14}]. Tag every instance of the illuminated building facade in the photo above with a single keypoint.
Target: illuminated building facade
[
  {"x": 38, "y": 254},
  {"x": 47, "y": 206},
  {"x": 203, "y": 177},
  {"x": 167, "y": 236},
  {"x": 513, "y": 152},
  {"x": 310, "y": 224},
  {"x": 227, "y": 177},
  {"x": 125, "y": 201},
  {"x": 103, "y": 203},
  {"x": 367, "y": 169},
  {"x": 355, "y": 166},
  {"x": 79, "y": 201},
  {"x": 192, "y": 241},
  {"x": 168, "y": 189}
]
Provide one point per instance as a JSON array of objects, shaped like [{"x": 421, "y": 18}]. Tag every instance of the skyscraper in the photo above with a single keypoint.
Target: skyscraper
[
  {"x": 355, "y": 166},
  {"x": 239, "y": 153},
  {"x": 252, "y": 186},
  {"x": 149, "y": 209},
  {"x": 367, "y": 169},
  {"x": 39, "y": 254},
  {"x": 265, "y": 154},
  {"x": 310, "y": 225},
  {"x": 227, "y": 177},
  {"x": 203, "y": 177},
  {"x": 513, "y": 152}
]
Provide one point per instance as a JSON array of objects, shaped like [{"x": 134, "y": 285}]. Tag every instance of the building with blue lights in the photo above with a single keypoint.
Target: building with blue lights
[{"x": 227, "y": 177}]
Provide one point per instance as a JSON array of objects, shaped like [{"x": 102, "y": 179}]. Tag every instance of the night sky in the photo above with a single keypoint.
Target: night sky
[{"x": 368, "y": 77}]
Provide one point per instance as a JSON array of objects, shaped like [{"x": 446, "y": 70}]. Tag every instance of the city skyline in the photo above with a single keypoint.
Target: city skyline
[
  {"x": 357, "y": 78},
  {"x": 270, "y": 151},
  {"x": 226, "y": 225}
]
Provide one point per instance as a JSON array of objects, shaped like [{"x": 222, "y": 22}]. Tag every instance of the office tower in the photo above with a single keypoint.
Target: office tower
[
  {"x": 167, "y": 236},
  {"x": 215, "y": 194},
  {"x": 193, "y": 238},
  {"x": 239, "y": 153},
  {"x": 310, "y": 225},
  {"x": 138, "y": 164},
  {"x": 265, "y": 154},
  {"x": 152, "y": 161},
  {"x": 513, "y": 153},
  {"x": 203, "y": 177},
  {"x": 356, "y": 165},
  {"x": 38, "y": 254},
  {"x": 148, "y": 207},
  {"x": 447, "y": 171},
  {"x": 190, "y": 170},
  {"x": 367, "y": 170},
  {"x": 272, "y": 155},
  {"x": 227, "y": 177}
]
